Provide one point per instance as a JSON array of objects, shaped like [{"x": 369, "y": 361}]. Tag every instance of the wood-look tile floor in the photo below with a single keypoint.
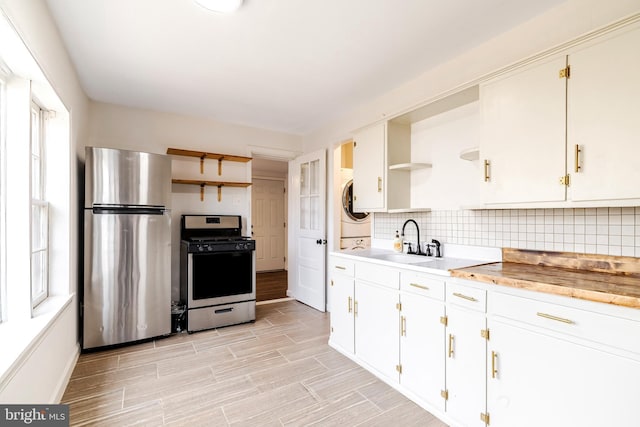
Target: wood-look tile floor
[{"x": 278, "y": 371}]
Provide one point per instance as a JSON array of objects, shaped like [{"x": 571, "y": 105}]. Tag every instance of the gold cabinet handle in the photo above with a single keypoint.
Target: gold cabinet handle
[
  {"x": 450, "y": 345},
  {"x": 379, "y": 184},
  {"x": 487, "y": 178},
  {"x": 556, "y": 318},
  {"x": 577, "y": 156},
  {"x": 463, "y": 296},
  {"x": 349, "y": 308},
  {"x": 494, "y": 358},
  {"x": 339, "y": 267},
  {"x": 403, "y": 326},
  {"x": 355, "y": 308},
  {"x": 415, "y": 285}
]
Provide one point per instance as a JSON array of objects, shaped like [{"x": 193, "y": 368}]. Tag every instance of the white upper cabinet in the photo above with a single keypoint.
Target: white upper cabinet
[
  {"x": 604, "y": 119},
  {"x": 375, "y": 187},
  {"x": 566, "y": 128},
  {"x": 522, "y": 143},
  {"x": 369, "y": 164}
]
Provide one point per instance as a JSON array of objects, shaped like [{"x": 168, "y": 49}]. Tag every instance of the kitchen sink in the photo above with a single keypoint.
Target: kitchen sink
[{"x": 403, "y": 258}]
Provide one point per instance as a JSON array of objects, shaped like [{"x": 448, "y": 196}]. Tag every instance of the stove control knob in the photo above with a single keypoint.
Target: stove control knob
[
  {"x": 238, "y": 246},
  {"x": 200, "y": 248}
]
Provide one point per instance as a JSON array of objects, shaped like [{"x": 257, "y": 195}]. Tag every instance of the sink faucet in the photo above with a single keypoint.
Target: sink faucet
[
  {"x": 437, "y": 246},
  {"x": 418, "y": 250}
]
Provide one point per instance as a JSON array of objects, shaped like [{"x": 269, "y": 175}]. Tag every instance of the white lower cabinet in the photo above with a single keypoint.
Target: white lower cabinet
[
  {"x": 342, "y": 301},
  {"x": 506, "y": 357},
  {"x": 543, "y": 376},
  {"x": 341, "y": 304},
  {"x": 377, "y": 328},
  {"x": 422, "y": 348},
  {"x": 466, "y": 350}
]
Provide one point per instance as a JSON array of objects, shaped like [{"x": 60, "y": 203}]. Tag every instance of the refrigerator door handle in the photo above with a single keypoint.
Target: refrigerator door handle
[{"x": 130, "y": 211}]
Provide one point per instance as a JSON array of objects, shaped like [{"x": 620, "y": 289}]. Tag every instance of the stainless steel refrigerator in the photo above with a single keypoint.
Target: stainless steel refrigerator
[{"x": 127, "y": 247}]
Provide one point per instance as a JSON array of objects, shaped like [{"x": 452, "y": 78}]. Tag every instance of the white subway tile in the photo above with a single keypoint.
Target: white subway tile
[
  {"x": 615, "y": 250},
  {"x": 615, "y": 230},
  {"x": 615, "y": 219},
  {"x": 615, "y": 241},
  {"x": 628, "y": 240}
]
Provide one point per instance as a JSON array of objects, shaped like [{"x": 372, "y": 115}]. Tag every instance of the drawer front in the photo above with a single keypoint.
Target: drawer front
[
  {"x": 466, "y": 296},
  {"x": 341, "y": 266},
  {"x": 588, "y": 325},
  {"x": 379, "y": 274},
  {"x": 422, "y": 284}
]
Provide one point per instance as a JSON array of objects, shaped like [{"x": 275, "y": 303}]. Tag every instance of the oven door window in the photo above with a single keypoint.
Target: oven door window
[{"x": 221, "y": 274}]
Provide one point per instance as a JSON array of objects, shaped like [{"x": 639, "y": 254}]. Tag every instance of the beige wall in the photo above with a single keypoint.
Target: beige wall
[{"x": 40, "y": 375}]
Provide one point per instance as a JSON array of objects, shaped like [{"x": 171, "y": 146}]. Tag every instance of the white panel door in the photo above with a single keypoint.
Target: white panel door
[
  {"x": 308, "y": 190},
  {"x": 523, "y": 135},
  {"x": 267, "y": 223},
  {"x": 603, "y": 119}
]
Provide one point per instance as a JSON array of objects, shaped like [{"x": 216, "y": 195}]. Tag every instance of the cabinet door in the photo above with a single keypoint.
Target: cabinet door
[
  {"x": 369, "y": 164},
  {"x": 603, "y": 105},
  {"x": 546, "y": 381},
  {"x": 466, "y": 366},
  {"x": 523, "y": 135},
  {"x": 342, "y": 326},
  {"x": 377, "y": 328},
  {"x": 422, "y": 347}
]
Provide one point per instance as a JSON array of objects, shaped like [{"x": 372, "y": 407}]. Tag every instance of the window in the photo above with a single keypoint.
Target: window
[
  {"x": 39, "y": 209},
  {"x": 3, "y": 97}
]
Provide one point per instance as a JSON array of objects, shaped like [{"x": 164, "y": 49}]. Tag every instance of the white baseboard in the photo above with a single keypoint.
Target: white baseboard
[{"x": 64, "y": 379}]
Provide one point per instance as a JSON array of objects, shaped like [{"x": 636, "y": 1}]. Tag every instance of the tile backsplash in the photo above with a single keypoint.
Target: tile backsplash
[{"x": 607, "y": 231}]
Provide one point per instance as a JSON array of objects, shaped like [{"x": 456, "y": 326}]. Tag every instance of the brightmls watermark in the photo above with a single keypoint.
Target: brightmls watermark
[{"x": 34, "y": 415}]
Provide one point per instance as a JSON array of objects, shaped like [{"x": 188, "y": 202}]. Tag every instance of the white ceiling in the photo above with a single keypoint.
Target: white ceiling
[{"x": 287, "y": 65}]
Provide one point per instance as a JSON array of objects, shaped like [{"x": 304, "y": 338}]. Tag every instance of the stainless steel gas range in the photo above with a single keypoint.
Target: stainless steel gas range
[{"x": 217, "y": 271}]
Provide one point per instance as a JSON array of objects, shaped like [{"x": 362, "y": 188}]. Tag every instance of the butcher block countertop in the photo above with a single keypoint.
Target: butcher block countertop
[{"x": 601, "y": 278}]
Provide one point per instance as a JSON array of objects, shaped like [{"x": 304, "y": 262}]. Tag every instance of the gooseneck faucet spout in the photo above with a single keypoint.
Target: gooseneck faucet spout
[{"x": 418, "y": 250}]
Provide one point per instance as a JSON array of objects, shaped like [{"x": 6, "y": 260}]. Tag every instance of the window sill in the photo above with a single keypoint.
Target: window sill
[{"x": 18, "y": 338}]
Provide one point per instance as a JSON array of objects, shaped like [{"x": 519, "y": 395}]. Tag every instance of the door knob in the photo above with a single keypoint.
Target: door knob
[{"x": 321, "y": 242}]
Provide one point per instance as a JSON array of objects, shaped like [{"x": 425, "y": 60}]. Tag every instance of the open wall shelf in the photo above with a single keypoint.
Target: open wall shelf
[
  {"x": 202, "y": 155},
  {"x": 203, "y": 184}
]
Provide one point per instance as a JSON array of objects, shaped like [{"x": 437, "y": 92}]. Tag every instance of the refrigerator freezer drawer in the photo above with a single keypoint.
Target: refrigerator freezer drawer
[
  {"x": 127, "y": 278},
  {"x": 120, "y": 177}
]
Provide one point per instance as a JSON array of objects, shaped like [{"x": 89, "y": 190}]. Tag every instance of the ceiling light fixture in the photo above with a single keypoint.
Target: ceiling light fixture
[{"x": 220, "y": 6}]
